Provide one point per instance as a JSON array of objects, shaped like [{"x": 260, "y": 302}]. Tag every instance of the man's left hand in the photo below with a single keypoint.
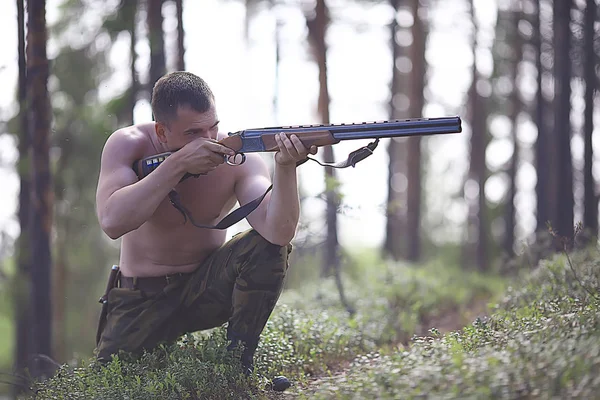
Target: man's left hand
[{"x": 291, "y": 150}]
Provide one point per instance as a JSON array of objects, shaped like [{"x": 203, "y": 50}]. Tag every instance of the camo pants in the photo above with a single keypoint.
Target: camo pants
[{"x": 239, "y": 283}]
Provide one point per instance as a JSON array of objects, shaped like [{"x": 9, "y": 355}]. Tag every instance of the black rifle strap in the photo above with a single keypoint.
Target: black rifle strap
[
  {"x": 353, "y": 158},
  {"x": 230, "y": 219},
  {"x": 243, "y": 211}
]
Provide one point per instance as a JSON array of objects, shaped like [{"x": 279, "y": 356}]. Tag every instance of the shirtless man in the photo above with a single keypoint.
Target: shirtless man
[{"x": 174, "y": 277}]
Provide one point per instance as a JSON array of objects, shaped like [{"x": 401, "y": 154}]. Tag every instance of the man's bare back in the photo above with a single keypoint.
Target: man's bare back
[{"x": 164, "y": 244}]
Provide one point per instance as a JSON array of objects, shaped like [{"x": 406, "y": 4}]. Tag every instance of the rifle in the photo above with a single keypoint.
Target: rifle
[{"x": 263, "y": 140}]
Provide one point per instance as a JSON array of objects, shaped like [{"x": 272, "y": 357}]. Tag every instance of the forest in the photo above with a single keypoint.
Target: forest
[{"x": 447, "y": 266}]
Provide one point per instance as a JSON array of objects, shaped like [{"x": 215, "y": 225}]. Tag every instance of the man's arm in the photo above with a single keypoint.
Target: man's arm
[
  {"x": 276, "y": 219},
  {"x": 277, "y": 216},
  {"x": 123, "y": 203}
]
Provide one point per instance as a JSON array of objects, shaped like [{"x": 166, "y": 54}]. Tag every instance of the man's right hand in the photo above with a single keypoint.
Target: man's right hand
[{"x": 202, "y": 155}]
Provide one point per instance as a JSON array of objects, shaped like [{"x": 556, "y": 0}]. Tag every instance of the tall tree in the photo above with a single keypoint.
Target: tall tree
[
  {"x": 590, "y": 218},
  {"x": 562, "y": 110},
  {"x": 132, "y": 22},
  {"x": 543, "y": 145},
  {"x": 514, "y": 38},
  {"x": 180, "y": 36},
  {"x": 396, "y": 214},
  {"x": 477, "y": 245},
  {"x": 157, "y": 42},
  {"x": 124, "y": 19},
  {"x": 22, "y": 281},
  {"x": 38, "y": 103},
  {"x": 317, "y": 31},
  {"x": 417, "y": 100}
]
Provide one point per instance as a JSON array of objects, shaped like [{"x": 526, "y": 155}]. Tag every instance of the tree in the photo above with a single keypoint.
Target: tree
[
  {"x": 417, "y": 100},
  {"x": 514, "y": 38},
  {"x": 40, "y": 218},
  {"x": 477, "y": 242},
  {"x": 590, "y": 218},
  {"x": 543, "y": 146},
  {"x": 317, "y": 30},
  {"x": 157, "y": 42},
  {"x": 123, "y": 19},
  {"x": 22, "y": 281},
  {"x": 563, "y": 167},
  {"x": 396, "y": 214},
  {"x": 180, "y": 36}
]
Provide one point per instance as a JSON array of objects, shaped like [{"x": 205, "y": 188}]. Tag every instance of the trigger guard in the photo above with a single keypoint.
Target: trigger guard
[{"x": 233, "y": 157}]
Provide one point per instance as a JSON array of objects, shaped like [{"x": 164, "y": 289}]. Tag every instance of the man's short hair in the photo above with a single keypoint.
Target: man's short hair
[{"x": 177, "y": 89}]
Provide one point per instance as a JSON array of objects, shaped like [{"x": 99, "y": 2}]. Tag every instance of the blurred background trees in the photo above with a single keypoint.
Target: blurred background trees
[{"x": 528, "y": 112}]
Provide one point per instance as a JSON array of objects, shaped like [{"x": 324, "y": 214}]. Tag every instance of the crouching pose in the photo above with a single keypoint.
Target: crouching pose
[{"x": 174, "y": 277}]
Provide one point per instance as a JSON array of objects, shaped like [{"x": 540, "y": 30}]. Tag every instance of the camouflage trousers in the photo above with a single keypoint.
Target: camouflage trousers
[{"x": 239, "y": 283}]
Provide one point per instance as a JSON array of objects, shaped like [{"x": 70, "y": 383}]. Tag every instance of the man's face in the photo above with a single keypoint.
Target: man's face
[{"x": 187, "y": 126}]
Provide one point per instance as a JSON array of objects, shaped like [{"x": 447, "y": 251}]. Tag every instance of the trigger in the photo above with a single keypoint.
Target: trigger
[{"x": 232, "y": 160}]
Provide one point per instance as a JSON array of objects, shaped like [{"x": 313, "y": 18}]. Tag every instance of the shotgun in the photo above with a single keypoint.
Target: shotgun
[{"x": 263, "y": 140}]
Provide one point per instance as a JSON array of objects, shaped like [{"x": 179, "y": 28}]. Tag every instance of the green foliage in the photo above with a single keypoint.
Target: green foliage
[
  {"x": 542, "y": 341},
  {"x": 199, "y": 366},
  {"x": 410, "y": 298},
  {"x": 309, "y": 335}
]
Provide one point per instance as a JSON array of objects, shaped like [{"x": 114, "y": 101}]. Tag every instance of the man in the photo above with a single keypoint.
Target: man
[{"x": 174, "y": 277}]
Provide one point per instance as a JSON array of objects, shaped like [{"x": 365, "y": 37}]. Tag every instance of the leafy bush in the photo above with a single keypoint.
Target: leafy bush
[
  {"x": 543, "y": 341},
  {"x": 199, "y": 366},
  {"x": 308, "y": 336}
]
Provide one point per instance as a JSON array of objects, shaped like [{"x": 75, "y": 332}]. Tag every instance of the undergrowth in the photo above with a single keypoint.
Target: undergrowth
[{"x": 540, "y": 340}]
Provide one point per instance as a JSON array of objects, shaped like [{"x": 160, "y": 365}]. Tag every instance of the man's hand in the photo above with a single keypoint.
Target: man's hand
[
  {"x": 202, "y": 155},
  {"x": 291, "y": 150}
]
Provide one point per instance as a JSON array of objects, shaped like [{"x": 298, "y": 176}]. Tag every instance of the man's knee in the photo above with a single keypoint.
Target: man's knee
[{"x": 254, "y": 242}]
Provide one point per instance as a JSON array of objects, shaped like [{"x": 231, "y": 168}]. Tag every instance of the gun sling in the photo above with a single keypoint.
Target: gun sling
[{"x": 243, "y": 211}]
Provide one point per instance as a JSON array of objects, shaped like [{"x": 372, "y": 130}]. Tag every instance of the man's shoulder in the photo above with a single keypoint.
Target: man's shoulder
[
  {"x": 127, "y": 144},
  {"x": 134, "y": 134},
  {"x": 131, "y": 139}
]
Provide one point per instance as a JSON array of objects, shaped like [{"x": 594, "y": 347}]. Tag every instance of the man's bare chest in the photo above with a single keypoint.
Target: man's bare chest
[{"x": 206, "y": 199}]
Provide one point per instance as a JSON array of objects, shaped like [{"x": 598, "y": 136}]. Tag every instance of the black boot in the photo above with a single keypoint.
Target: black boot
[{"x": 279, "y": 383}]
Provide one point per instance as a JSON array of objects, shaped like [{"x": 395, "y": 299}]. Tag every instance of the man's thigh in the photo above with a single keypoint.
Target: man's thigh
[
  {"x": 207, "y": 297},
  {"x": 138, "y": 321}
]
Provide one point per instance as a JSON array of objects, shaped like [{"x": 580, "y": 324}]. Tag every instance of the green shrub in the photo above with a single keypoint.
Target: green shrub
[{"x": 542, "y": 341}]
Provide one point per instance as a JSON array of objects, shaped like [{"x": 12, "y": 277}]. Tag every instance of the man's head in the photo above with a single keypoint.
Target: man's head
[{"x": 184, "y": 108}]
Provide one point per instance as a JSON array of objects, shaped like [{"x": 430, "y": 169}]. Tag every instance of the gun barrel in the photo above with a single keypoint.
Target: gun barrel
[{"x": 372, "y": 130}]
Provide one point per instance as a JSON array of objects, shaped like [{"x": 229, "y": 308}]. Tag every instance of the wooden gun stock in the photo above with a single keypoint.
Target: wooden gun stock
[{"x": 316, "y": 138}]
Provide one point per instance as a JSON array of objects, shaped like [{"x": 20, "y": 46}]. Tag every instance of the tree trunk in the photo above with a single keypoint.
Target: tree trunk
[
  {"x": 590, "y": 217},
  {"x": 41, "y": 193},
  {"x": 417, "y": 86},
  {"x": 515, "y": 107},
  {"x": 562, "y": 104},
  {"x": 317, "y": 29},
  {"x": 543, "y": 141},
  {"x": 396, "y": 222},
  {"x": 134, "y": 78},
  {"x": 22, "y": 281},
  {"x": 180, "y": 36},
  {"x": 477, "y": 228},
  {"x": 157, "y": 42}
]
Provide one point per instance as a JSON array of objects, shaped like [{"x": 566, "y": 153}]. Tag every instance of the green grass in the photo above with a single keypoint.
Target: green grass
[
  {"x": 540, "y": 339},
  {"x": 309, "y": 335}
]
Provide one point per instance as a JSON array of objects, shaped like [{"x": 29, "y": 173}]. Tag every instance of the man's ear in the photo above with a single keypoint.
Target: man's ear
[{"x": 161, "y": 133}]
